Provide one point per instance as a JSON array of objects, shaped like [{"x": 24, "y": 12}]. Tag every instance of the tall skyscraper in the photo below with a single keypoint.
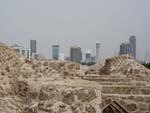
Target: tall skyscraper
[
  {"x": 75, "y": 54},
  {"x": 55, "y": 52},
  {"x": 33, "y": 47},
  {"x": 124, "y": 48},
  {"x": 132, "y": 42},
  {"x": 88, "y": 56},
  {"x": 98, "y": 51}
]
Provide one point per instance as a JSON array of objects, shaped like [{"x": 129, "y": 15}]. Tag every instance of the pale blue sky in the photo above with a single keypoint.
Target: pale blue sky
[{"x": 80, "y": 22}]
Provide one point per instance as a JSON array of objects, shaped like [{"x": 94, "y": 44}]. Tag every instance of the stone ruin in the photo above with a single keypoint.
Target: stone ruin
[
  {"x": 48, "y": 86},
  {"x": 124, "y": 64}
]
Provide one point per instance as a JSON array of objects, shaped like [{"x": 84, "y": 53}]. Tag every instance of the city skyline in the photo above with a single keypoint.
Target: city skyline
[
  {"x": 86, "y": 56},
  {"x": 76, "y": 22}
]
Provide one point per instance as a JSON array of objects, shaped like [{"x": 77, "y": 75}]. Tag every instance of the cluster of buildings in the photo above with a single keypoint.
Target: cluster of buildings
[
  {"x": 21, "y": 50},
  {"x": 129, "y": 47},
  {"x": 76, "y": 55},
  {"x": 29, "y": 53},
  {"x": 76, "y": 52}
]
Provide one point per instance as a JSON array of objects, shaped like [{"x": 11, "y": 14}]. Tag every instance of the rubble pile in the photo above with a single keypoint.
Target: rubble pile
[
  {"x": 49, "y": 68},
  {"x": 10, "y": 63},
  {"x": 124, "y": 64},
  {"x": 54, "y": 97}
]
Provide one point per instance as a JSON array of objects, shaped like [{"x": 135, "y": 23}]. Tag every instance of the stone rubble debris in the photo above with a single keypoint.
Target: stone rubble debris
[{"x": 124, "y": 64}]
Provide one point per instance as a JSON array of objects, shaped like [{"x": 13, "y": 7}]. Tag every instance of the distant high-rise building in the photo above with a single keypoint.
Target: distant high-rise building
[
  {"x": 124, "y": 48},
  {"x": 132, "y": 42},
  {"x": 55, "y": 52},
  {"x": 93, "y": 59},
  {"x": 88, "y": 56},
  {"x": 75, "y": 54},
  {"x": 98, "y": 52},
  {"x": 33, "y": 47}
]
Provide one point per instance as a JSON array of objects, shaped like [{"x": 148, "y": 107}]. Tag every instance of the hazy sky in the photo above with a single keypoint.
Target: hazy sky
[{"x": 76, "y": 22}]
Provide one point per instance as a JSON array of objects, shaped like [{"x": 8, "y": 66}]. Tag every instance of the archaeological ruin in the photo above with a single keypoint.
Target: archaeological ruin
[{"x": 120, "y": 85}]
